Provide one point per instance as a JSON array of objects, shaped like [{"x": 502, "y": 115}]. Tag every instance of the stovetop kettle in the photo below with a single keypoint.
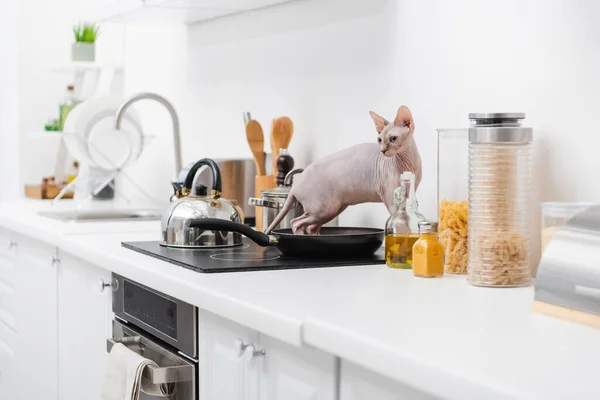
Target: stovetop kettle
[{"x": 186, "y": 207}]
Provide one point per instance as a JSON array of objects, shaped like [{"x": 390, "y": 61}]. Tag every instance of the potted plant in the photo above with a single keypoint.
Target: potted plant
[{"x": 85, "y": 38}]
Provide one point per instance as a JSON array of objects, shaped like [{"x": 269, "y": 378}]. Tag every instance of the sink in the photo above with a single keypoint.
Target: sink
[{"x": 102, "y": 215}]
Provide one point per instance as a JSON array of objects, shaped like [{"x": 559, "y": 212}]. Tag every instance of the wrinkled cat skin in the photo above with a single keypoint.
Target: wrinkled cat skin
[{"x": 365, "y": 173}]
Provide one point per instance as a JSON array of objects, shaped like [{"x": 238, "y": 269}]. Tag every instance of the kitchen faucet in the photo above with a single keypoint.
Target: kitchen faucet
[{"x": 174, "y": 118}]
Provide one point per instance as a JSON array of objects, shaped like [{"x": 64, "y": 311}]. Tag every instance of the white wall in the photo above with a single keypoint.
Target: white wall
[
  {"x": 538, "y": 57},
  {"x": 35, "y": 37},
  {"x": 9, "y": 139},
  {"x": 326, "y": 63},
  {"x": 40, "y": 89}
]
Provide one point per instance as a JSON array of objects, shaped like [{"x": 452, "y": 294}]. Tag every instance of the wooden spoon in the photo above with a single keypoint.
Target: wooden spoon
[
  {"x": 288, "y": 131},
  {"x": 282, "y": 130},
  {"x": 256, "y": 140}
]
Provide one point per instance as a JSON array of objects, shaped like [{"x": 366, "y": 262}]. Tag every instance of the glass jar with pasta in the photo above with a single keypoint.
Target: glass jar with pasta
[
  {"x": 500, "y": 165},
  {"x": 452, "y": 194}
]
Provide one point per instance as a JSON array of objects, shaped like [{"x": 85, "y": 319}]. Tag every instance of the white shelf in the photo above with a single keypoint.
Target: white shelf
[
  {"x": 82, "y": 66},
  {"x": 44, "y": 135}
]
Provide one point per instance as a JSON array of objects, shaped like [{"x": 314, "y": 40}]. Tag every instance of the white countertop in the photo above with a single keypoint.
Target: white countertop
[
  {"x": 22, "y": 218},
  {"x": 440, "y": 336}
]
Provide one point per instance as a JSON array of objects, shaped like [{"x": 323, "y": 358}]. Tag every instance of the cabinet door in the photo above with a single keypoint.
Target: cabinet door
[
  {"x": 225, "y": 374},
  {"x": 294, "y": 373},
  {"x": 8, "y": 332},
  {"x": 36, "y": 320},
  {"x": 358, "y": 383},
  {"x": 84, "y": 323}
]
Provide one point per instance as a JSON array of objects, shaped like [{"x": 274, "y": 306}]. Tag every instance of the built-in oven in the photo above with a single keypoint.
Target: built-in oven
[{"x": 162, "y": 329}]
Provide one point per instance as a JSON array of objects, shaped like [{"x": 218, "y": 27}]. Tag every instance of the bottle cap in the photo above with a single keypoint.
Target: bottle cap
[
  {"x": 407, "y": 175},
  {"x": 427, "y": 226}
]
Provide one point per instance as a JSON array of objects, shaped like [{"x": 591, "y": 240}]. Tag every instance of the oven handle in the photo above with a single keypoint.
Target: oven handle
[{"x": 178, "y": 373}]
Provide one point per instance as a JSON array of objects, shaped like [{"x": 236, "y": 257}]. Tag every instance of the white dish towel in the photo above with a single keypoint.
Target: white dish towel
[{"x": 123, "y": 379}]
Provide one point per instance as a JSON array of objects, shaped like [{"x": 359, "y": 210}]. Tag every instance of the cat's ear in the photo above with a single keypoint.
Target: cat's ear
[
  {"x": 380, "y": 122},
  {"x": 404, "y": 117}
]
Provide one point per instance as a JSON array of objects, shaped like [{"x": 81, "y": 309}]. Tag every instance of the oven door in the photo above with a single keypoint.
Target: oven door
[
  {"x": 164, "y": 317},
  {"x": 177, "y": 372}
]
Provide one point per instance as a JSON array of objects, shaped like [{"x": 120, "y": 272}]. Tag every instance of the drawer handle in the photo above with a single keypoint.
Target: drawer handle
[
  {"x": 157, "y": 376},
  {"x": 248, "y": 351},
  {"x": 252, "y": 353},
  {"x": 103, "y": 285}
]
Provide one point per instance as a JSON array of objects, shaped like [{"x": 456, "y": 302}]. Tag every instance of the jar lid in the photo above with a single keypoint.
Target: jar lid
[
  {"x": 496, "y": 116},
  {"x": 500, "y": 134},
  {"x": 281, "y": 191},
  {"x": 498, "y": 128},
  {"x": 427, "y": 226}
]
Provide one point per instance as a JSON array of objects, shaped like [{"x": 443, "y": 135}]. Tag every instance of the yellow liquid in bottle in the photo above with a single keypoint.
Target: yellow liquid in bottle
[{"x": 398, "y": 250}]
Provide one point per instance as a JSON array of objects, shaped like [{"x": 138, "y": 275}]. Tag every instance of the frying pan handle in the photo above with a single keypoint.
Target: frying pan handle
[{"x": 215, "y": 224}]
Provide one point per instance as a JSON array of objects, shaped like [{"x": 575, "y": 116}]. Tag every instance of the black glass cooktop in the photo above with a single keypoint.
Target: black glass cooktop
[{"x": 247, "y": 257}]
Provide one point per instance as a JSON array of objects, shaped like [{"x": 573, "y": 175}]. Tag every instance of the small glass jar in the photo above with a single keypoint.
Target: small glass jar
[
  {"x": 555, "y": 214},
  {"x": 500, "y": 164},
  {"x": 428, "y": 252},
  {"x": 452, "y": 195}
]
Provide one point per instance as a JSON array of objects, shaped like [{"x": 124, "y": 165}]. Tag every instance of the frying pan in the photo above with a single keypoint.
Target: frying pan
[{"x": 332, "y": 242}]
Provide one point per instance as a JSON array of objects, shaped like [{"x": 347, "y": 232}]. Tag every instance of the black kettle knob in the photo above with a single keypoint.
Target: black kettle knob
[
  {"x": 201, "y": 190},
  {"x": 285, "y": 163}
]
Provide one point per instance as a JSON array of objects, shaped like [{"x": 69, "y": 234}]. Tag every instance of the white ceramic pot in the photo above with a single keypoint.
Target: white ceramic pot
[{"x": 81, "y": 51}]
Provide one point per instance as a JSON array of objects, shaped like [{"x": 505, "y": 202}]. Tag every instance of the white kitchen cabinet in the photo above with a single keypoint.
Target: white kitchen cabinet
[
  {"x": 175, "y": 11},
  {"x": 224, "y": 374},
  {"x": 358, "y": 383},
  {"x": 237, "y": 363},
  {"x": 8, "y": 332},
  {"x": 295, "y": 373},
  {"x": 36, "y": 319},
  {"x": 84, "y": 323}
]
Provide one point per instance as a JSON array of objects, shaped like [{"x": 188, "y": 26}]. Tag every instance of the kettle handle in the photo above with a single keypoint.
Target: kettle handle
[{"x": 216, "y": 173}]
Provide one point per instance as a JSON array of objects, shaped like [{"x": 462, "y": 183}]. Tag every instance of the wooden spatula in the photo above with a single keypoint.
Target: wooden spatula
[
  {"x": 288, "y": 132},
  {"x": 282, "y": 130},
  {"x": 256, "y": 140}
]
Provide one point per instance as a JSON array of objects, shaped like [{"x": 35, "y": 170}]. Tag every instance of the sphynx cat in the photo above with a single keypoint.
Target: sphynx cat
[{"x": 365, "y": 173}]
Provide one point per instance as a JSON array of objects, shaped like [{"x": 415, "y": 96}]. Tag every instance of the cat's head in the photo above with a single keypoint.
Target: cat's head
[{"x": 394, "y": 138}]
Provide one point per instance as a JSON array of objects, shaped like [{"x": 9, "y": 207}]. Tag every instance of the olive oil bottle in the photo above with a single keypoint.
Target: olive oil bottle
[{"x": 402, "y": 229}]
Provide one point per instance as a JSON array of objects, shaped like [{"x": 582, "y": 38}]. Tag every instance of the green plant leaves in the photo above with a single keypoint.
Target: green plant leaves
[{"x": 86, "y": 32}]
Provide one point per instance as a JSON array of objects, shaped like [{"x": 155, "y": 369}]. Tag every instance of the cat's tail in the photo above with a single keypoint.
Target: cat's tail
[{"x": 287, "y": 206}]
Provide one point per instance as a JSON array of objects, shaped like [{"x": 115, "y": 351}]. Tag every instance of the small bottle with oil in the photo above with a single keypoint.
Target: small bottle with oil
[
  {"x": 428, "y": 252},
  {"x": 401, "y": 229}
]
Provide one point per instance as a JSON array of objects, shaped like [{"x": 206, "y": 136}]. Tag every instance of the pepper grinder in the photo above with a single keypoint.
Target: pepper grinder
[{"x": 285, "y": 163}]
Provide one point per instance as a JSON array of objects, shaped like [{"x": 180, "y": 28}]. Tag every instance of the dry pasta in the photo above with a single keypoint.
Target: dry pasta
[
  {"x": 501, "y": 260},
  {"x": 454, "y": 228}
]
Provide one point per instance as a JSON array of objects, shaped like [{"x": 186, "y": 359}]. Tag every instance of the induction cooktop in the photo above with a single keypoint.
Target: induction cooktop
[{"x": 247, "y": 257}]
